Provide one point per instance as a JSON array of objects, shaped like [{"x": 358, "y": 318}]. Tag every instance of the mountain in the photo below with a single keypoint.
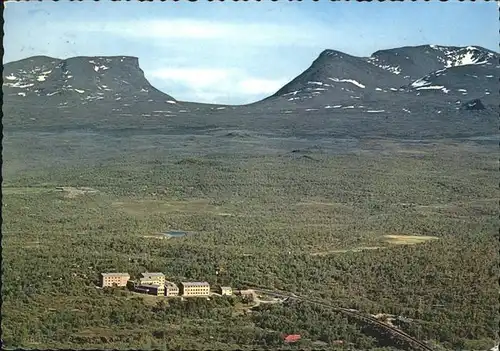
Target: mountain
[
  {"x": 79, "y": 79},
  {"x": 335, "y": 78},
  {"x": 413, "y": 62},
  {"x": 422, "y": 91},
  {"x": 341, "y": 75},
  {"x": 81, "y": 92},
  {"x": 473, "y": 79}
]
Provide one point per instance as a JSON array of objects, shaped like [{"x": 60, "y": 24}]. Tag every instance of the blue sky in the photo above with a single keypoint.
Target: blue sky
[{"x": 237, "y": 52}]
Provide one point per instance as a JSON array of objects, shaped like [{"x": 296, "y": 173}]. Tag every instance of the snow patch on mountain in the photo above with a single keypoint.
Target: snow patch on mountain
[
  {"x": 336, "y": 106},
  {"x": 97, "y": 67},
  {"x": 420, "y": 83},
  {"x": 431, "y": 87},
  {"x": 317, "y": 83},
  {"x": 352, "y": 81},
  {"x": 376, "y": 62},
  {"x": 470, "y": 55},
  {"x": 19, "y": 85},
  {"x": 292, "y": 93}
]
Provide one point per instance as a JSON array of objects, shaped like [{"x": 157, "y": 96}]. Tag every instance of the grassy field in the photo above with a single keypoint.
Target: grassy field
[
  {"x": 382, "y": 232},
  {"x": 408, "y": 239}
]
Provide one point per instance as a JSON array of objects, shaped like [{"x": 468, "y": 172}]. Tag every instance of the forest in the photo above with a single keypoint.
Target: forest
[{"x": 316, "y": 226}]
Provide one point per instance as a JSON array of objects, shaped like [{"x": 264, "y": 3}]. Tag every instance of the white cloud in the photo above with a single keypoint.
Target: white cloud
[
  {"x": 255, "y": 33},
  {"x": 214, "y": 84}
]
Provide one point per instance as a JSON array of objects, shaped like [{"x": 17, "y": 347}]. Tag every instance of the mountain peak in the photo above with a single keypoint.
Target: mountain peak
[
  {"x": 339, "y": 74},
  {"x": 333, "y": 54},
  {"x": 94, "y": 60},
  {"x": 81, "y": 78},
  {"x": 413, "y": 62}
]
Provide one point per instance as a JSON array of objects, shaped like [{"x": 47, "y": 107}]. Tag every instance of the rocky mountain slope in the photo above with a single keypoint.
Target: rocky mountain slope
[
  {"x": 335, "y": 78},
  {"x": 79, "y": 79},
  {"x": 413, "y": 62},
  {"x": 345, "y": 76},
  {"x": 420, "y": 91},
  {"x": 79, "y": 92}
]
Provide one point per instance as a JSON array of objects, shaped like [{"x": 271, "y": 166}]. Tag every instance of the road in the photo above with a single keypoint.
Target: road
[
  {"x": 257, "y": 301},
  {"x": 417, "y": 344}
]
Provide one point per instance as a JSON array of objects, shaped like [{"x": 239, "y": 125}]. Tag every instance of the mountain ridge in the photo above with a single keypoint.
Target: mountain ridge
[
  {"x": 83, "y": 78},
  {"x": 385, "y": 70},
  {"x": 383, "y": 60},
  {"x": 338, "y": 94}
]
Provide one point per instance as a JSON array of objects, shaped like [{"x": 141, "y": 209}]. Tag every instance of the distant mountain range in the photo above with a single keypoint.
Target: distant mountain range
[
  {"x": 416, "y": 91},
  {"x": 447, "y": 70}
]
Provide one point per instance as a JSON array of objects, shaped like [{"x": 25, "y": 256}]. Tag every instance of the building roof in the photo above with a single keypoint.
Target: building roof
[
  {"x": 112, "y": 274},
  {"x": 171, "y": 285},
  {"x": 225, "y": 287},
  {"x": 152, "y": 274},
  {"x": 148, "y": 279},
  {"x": 188, "y": 284},
  {"x": 149, "y": 286},
  {"x": 292, "y": 338}
]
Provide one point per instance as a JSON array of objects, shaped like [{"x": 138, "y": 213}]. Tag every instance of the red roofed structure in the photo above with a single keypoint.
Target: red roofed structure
[{"x": 291, "y": 338}]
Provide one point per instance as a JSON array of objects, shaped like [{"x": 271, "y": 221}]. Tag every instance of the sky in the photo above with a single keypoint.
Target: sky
[{"x": 237, "y": 52}]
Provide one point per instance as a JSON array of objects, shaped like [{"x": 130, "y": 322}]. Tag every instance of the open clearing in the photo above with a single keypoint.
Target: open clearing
[
  {"x": 324, "y": 204},
  {"x": 355, "y": 249},
  {"x": 408, "y": 239},
  {"x": 32, "y": 244},
  {"x": 72, "y": 192},
  {"x": 149, "y": 300},
  {"x": 156, "y": 236},
  {"x": 390, "y": 239},
  {"x": 6, "y": 190}
]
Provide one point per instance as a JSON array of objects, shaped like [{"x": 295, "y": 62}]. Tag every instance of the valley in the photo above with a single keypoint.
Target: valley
[
  {"x": 297, "y": 224},
  {"x": 373, "y": 191}
]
